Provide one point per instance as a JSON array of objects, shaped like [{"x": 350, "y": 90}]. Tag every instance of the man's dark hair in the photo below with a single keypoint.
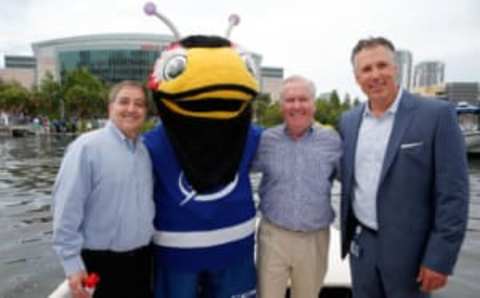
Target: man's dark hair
[{"x": 371, "y": 42}]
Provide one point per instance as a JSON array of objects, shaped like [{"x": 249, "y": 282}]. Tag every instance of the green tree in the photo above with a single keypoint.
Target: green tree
[
  {"x": 347, "y": 102},
  {"x": 84, "y": 94},
  {"x": 272, "y": 115},
  {"x": 324, "y": 112},
  {"x": 328, "y": 111},
  {"x": 335, "y": 99},
  {"x": 260, "y": 106},
  {"x": 15, "y": 98},
  {"x": 50, "y": 94}
]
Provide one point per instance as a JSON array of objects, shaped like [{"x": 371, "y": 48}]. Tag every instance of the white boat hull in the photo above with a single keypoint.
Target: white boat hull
[{"x": 472, "y": 141}]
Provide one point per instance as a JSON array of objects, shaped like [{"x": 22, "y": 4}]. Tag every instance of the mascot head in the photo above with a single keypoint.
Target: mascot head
[{"x": 203, "y": 87}]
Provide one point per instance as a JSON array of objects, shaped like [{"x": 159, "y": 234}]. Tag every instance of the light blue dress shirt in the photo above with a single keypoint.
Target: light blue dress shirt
[
  {"x": 297, "y": 177},
  {"x": 102, "y": 197},
  {"x": 372, "y": 143}
]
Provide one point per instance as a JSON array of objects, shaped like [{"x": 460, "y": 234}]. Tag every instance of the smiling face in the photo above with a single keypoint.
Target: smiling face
[
  {"x": 375, "y": 72},
  {"x": 128, "y": 110},
  {"x": 298, "y": 107}
]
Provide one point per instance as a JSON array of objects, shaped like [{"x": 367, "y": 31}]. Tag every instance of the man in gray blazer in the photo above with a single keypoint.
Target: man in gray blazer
[{"x": 404, "y": 183}]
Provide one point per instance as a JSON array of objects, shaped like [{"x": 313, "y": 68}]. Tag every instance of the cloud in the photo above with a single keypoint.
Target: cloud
[{"x": 313, "y": 38}]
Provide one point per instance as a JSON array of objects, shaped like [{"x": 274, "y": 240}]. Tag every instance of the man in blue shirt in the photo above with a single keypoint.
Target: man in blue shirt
[
  {"x": 103, "y": 204},
  {"x": 298, "y": 160}
]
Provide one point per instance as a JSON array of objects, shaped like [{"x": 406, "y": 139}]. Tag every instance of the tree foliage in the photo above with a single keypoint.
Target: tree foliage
[
  {"x": 49, "y": 93},
  {"x": 14, "y": 97},
  {"x": 272, "y": 116},
  {"x": 80, "y": 95},
  {"x": 329, "y": 110},
  {"x": 260, "y": 106},
  {"x": 84, "y": 94}
]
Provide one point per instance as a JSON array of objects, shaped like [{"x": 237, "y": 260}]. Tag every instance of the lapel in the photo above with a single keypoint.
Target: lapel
[
  {"x": 403, "y": 118},
  {"x": 351, "y": 136}
]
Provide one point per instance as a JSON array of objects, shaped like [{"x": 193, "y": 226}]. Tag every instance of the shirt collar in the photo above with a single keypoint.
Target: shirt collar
[
  {"x": 308, "y": 132},
  {"x": 131, "y": 144},
  {"x": 391, "y": 110}
]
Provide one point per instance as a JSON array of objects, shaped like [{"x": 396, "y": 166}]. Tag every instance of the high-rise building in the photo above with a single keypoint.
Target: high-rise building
[
  {"x": 271, "y": 82},
  {"x": 428, "y": 73},
  {"x": 13, "y": 61},
  {"x": 403, "y": 59},
  {"x": 20, "y": 69}
]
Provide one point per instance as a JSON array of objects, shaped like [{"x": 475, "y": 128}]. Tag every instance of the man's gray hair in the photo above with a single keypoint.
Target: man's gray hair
[
  {"x": 298, "y": 78},
  {"x": 117, "y": 87}
]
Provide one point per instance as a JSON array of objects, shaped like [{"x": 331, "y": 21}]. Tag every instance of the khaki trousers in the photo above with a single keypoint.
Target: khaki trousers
[{"x": 284, "y": 255}]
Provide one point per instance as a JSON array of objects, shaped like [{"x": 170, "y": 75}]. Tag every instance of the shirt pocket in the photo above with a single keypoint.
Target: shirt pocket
[
  {"x": 323, "y": 162},
  {"x": 414, "y": 151},
  {"x": 411, "y": 145},
  {"x": 278, "y": 162}
]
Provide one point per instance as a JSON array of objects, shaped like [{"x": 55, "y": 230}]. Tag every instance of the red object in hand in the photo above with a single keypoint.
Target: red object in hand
[{"x": 91, "y": 281}]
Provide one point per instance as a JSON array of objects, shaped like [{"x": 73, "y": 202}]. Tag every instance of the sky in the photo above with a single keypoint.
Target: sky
[{"x": 312, "y": 38}]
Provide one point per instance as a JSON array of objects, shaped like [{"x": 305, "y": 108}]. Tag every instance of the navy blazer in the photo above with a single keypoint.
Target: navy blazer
[{"x": 422, "y": 199}]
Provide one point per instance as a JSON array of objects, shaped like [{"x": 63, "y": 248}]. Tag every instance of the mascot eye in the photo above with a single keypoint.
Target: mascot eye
[
  {"x": 251, "y": 66},
  {"x": 174, "y": 67}
]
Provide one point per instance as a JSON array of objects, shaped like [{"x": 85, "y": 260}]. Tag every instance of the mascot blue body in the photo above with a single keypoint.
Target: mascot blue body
[{"x": 203, "y": 87}]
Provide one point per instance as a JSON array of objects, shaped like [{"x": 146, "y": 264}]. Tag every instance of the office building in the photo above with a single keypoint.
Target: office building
[
  {"x": 20, "y": 69},
  {"x": 271, "y": 82},
  {"x": 110, "y": 57},
  {"x": 428, "y": 73},
  {"x": 403, "y": 59},
  {"x": 468, "y": 92}
]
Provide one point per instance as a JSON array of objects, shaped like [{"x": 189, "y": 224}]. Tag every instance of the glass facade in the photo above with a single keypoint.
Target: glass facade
[
  {"x": 403, "y": 58},
  {"x": 20, "y": 62},
  {"x": 272, "y": 72},
  {"x": 428, "y": 73},
  {"x": 111, "y": 66}
]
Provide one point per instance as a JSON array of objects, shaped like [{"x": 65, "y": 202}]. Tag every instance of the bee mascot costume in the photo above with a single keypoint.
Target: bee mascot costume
[{"x": 203, "y": 87}]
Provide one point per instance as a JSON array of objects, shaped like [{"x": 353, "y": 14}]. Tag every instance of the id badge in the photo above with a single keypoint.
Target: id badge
[{"x": 355, "y": 249}]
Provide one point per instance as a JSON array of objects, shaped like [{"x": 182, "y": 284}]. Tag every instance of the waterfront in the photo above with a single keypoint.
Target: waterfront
[{"x": 28, "y": 267}]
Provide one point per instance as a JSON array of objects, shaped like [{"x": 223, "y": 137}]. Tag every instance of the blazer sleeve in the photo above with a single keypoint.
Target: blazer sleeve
[{"x": 451, "y": 192}]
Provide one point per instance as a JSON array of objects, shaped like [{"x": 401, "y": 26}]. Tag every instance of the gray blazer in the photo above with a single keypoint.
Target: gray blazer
[{"x": 422, "y": 200}]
